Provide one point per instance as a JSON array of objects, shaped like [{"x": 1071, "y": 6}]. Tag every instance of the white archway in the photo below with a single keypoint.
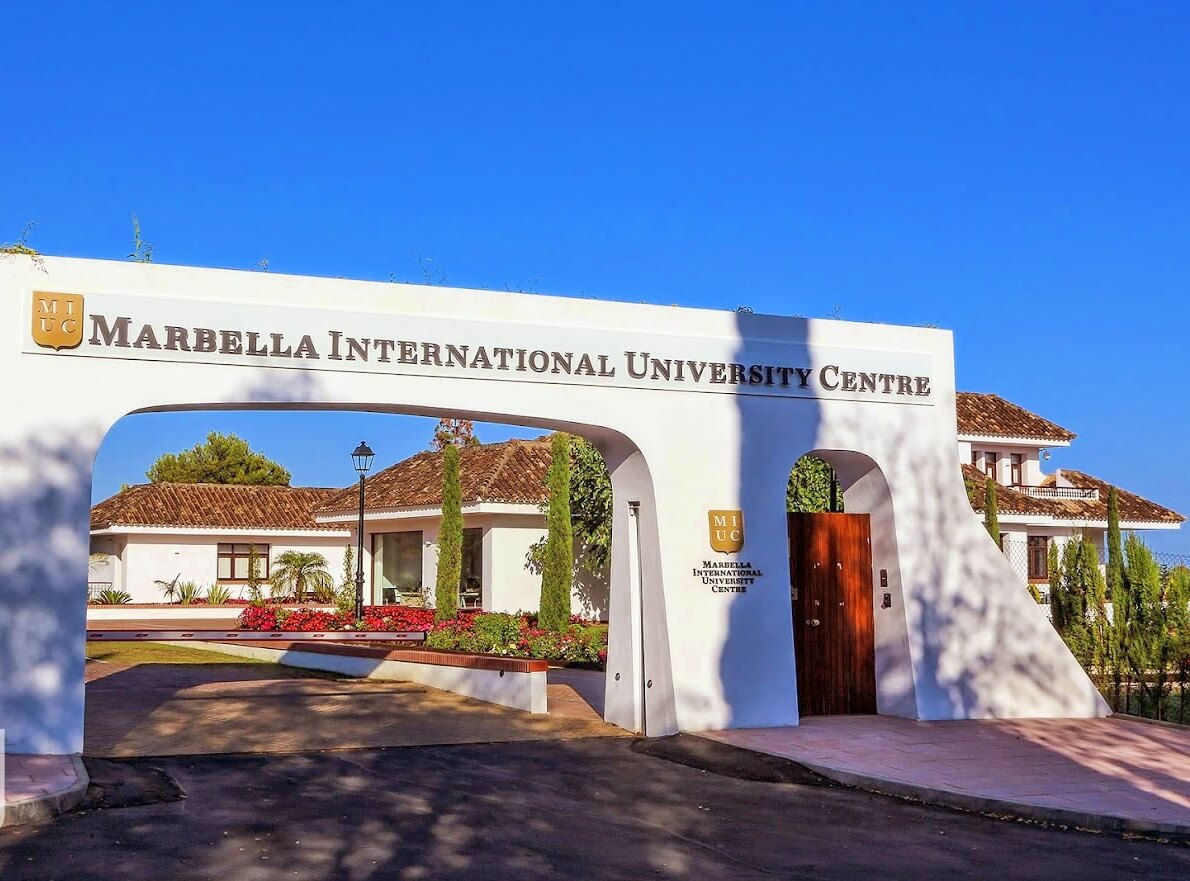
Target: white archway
[{"x": 686, "y": 406}]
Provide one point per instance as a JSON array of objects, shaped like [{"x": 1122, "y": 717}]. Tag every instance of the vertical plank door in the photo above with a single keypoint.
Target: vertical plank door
[{"x": 830, "y": 576}]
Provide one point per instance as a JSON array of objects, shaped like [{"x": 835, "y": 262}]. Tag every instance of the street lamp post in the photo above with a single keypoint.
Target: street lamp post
[{"x": 362, "y": 459}]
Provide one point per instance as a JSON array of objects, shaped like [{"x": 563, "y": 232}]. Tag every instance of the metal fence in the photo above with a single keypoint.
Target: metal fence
[
  {"x": 1172, "y": 561},
  {"x": 1018, "y": 556},
  {"x": 94, "y": 587}
]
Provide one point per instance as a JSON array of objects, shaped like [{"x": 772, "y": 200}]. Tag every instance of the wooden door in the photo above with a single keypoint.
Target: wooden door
[{"x": 830, "y": 577}]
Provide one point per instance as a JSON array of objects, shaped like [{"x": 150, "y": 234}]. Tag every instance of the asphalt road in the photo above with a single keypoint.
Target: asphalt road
[{"x": 579, "y": 809}]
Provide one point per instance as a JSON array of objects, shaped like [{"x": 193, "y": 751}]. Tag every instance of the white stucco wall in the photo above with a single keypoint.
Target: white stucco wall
[
  {"x": 508, "y": 584},
  {"x": 1031, "y": 474},
  {"x": 145, "y": 559},
  {"x": 681, "y": 656}
]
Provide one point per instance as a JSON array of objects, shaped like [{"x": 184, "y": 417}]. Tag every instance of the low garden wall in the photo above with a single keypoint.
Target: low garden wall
[
  {"x": 518, "y": 683},
  {"x": 174, "y": 611}
]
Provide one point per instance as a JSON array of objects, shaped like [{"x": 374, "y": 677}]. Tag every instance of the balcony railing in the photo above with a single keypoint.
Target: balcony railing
[{"x": 1059, "y": 492}]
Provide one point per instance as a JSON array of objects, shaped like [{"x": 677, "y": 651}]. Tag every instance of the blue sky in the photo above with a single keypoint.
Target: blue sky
[{"x": 1017, "y": 172}]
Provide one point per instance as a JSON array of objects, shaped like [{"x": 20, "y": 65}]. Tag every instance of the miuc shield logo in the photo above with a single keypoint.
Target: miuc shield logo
[
  {"x": 727, "y": 531},
  {"x": 57, "y": 320}
]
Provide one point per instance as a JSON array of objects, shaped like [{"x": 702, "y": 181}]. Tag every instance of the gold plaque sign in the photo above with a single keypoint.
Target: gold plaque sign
[
  {"x": 57, "y": 320},
  {"x": 727, "y": 531}
]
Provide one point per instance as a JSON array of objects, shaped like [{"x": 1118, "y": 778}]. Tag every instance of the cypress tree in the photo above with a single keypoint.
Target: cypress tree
[
  {"x": 557, "y": 571},
  {"x": 991, "y": 512},
  {"x": 1057, "y": 600},
  {"x": 450, "y": 538},
  {"x": 1117, "y": 594},
  {"x": 1099, "y": 634},
  {"x": 1149, "y": 640}
]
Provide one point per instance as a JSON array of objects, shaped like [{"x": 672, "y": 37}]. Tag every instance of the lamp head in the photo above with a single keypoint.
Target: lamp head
[{"x": 362, "y": 458}]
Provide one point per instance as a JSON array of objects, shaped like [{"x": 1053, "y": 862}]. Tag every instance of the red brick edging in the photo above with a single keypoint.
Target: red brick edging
[{"x": 412, "y": 656}]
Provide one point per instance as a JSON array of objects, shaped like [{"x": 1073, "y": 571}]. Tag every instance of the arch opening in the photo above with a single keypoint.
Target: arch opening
[
  {"x": 616, "y": 596},
  {"x": 851, "y": 641}
]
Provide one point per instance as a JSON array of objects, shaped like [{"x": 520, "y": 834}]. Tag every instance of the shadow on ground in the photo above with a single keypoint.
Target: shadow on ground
[
  {"x": 203, "y": 709},
  {"x": 591, "y": 809}
]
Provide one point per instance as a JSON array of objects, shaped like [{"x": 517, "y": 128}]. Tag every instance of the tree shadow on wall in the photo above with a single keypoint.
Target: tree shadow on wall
[{"x": 45, "y": 502}]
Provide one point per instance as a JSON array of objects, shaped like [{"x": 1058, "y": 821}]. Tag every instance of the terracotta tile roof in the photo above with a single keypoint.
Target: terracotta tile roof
[
  {"x": 513, "y": 471},
  {"x": 1133, "y": 508},
  {"x": 1008, "y": 500},
  {"x": 992, "y": 416},
  {"x": 213, "y": 506}
]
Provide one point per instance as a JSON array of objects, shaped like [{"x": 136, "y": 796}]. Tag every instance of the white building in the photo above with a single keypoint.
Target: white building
[
  {"x": 1008, "y": 443},
  {"x": 503, "y": 490},
  {"x": 204, "y": 533}
]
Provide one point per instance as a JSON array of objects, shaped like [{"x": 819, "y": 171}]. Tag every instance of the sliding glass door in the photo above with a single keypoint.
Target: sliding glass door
[{"x": 396, "y": 567}]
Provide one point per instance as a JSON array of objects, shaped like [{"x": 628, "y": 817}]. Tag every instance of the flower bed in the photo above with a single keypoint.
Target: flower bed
[{"x": 491, "y": 633}]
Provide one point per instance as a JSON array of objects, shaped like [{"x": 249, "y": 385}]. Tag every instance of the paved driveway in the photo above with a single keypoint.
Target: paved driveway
[
  {"x": 190, "y": 709},
  {"x": 1111, "y": 773},
  {"x": 577, "y": 809}
]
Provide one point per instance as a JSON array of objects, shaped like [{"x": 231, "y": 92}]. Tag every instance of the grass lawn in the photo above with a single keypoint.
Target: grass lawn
[{"x": 128, "y": 654}]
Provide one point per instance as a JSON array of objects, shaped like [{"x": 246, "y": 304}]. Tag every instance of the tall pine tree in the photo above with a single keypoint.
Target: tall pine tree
[
  {"x": 557, "y": 570},
  {"x": 450, "y": 538}
]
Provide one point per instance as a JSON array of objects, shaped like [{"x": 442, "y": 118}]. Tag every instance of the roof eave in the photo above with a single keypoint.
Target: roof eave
[{"x": 1015, "y": 441}]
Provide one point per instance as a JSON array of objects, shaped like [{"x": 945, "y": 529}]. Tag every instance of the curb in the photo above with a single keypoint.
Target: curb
[
  {"x": 1085, "y": 820},
  {"x": 44, "y": 807}
]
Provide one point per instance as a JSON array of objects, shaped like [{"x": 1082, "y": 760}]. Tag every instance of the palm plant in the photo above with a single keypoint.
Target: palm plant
[
  {"x": 169, "y": 588},
  {"x": 112, "y": 597},
  {"x": 297, "y": 572},
  {"x": 97, "y": 562}
]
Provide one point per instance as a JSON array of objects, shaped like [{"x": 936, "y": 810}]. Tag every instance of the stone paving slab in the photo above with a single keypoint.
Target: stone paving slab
[
  {"x": 1112, "y": 774},
  {"x": 158, "y": 710},
  {"x": 39, "y": 787}
]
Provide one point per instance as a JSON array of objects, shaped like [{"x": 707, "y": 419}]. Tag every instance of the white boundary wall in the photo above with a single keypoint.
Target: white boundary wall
[
  {"x": 961, "y": 639},
  {"x": 521, "y": 691}
]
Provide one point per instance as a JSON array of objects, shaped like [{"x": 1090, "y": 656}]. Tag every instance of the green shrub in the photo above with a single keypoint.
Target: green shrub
[
  {"x": 255, "y": 594},
  {"x": 110, "y": 596},
  {"x": 545, "y": 644},
  {"x": 345, "y": 595},
  {"x": 496, "y": 633},
  {"x": 217, "y": 594}
]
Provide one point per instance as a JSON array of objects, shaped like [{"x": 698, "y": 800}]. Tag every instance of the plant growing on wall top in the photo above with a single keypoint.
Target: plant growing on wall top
[
  {"x": 22, "y": 248},
  {"x": 142, "y": 251}
]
